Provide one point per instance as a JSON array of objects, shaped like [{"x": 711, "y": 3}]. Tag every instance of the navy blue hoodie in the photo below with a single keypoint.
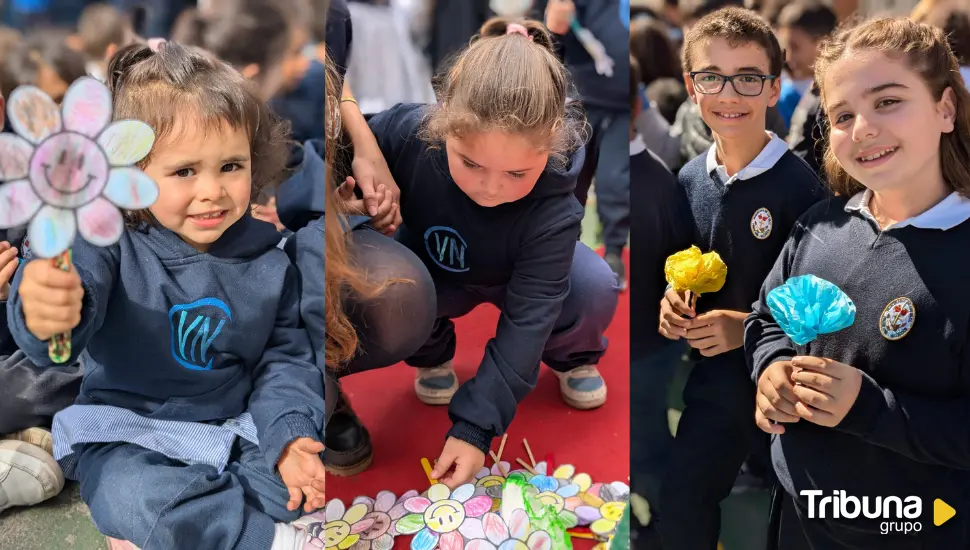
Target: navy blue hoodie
[
  {"x": 305, "y": 105},
  {"x": 174, "y": 334},
  {"x": 526, "y": 246},
  {"x": 7, "y": 344}
]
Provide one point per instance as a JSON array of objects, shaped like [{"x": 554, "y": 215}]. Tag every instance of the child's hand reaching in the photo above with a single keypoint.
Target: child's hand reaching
[
  {"x": 387, "y": 223},
  {"x": 8, "y": 266},
  {"x": 466, "y": 458},
  {"x": 559, "y": 15},
  {"x": 303, "y": 473},
  {"x": 51, "y": 299}
]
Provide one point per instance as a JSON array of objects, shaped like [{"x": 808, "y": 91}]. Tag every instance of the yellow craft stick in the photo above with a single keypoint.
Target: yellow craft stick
[
  {"x": 582, "y": 535},
  {"x": 528, "y": 450},
  {"x": 526, "y": 466},
  {"x": 426, "y": 465}
]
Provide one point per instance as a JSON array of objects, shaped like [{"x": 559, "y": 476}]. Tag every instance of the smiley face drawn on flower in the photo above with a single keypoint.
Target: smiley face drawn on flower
[
  {"x": 444, "y": 516},
  {"x": 335, "y": 532},
  {"x": 69, "y": 170},
  {"x": 492, "y": 485},
  {"x": 381, "y": 525},
  {"x": 548, "y": 498}
]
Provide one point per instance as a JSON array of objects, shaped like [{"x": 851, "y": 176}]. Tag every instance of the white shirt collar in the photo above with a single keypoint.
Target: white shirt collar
[
  {"x": 637, "y": 145},
  {"x": 766, "y": 159},
  {"x": 946, "y": 214}
]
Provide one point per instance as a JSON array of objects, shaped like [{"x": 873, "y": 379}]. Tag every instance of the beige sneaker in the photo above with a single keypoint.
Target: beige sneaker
[
  {"x": 582, "y": 388},
  {"x": 35, "y": 436},
  {"x": 436, "y": 386},
  {"x": 28, "y": 475}
]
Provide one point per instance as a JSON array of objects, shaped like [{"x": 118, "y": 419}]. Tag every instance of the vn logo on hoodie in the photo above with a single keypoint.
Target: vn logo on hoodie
[
  {"x": 446, "y": 248},
  {"x": 194, "y": 327}
]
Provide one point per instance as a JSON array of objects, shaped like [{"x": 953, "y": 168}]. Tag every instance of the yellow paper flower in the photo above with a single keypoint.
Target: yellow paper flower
[{"x": 696, "y": 272}]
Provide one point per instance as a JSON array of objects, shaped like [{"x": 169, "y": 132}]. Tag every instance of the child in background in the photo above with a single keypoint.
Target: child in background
[
  {"x": 216, "y": 446},
  {"x": 802, "y": 25},
  {"x": 487, "y": 180},
  {"x": 44, "y": 59},
  {"x": 660, "y": 210},
  {"x": 745, "y": 194},
  {"x": 955, "y": 22},
  {"x": 651, "y": 47},
  {"x": 878, "y": 408},
  {"x": 607, "y": 109},
  {"x": 101, "y": 31}
]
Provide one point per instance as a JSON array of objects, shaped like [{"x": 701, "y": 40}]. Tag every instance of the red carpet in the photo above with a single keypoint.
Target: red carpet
[{"x": 404, "y": 430}]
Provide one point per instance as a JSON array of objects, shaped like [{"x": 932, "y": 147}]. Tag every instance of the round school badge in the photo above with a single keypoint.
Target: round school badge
[
  {"x": 897, "y": 319},
  {"x": 761, "y": 224}
]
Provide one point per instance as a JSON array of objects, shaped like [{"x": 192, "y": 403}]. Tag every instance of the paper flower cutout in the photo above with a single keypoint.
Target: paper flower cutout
[
  {"x": 70, "y": 168},
  {"x": 604, "y": 507},
  {"x": 337, "y": 527},
  {"x": 516, "y": 534},
  {"x": 444, "y": 519},
  {"x": 560, "y": 491},
  {"x": 490, "y": 482},
  {"x": 696, "y": 272},
  {"x": 806, "y": 306},
  {"x": 382, "y": 512}
]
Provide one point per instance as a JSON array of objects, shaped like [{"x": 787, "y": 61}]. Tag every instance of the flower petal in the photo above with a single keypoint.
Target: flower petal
[
  {"x": 502, "y": 466},
  {"x": 366, "y": 501},
  {"x": 426, "y": 539},
  {"x": 472, "y": 528},
  {"x": 86, "y": 107},
  {"x": 398, "y": 511},
  {"x": 33, "y": 114},
  {"x": 18, "y": 203},
  {"x": 480, "y": 544},
  {"x": 495, "y": 528},
  {"x": 355, "y": 512},
  {"x": 438, "y": 491},
  {"x": 361, "y": 526},
  {"x": 566, "y": 471},
  {"x": 568, "y": 519},
  {"x": 587, "y": 514},
  {"x": 513, "y": 545},
  {"x": 519, "y": 524},
  {"x": 383, "y": 542},
  {"x": 567, "y": 491},
  {"x": 100, "y": 222},
  {"x": 335, "y": 510},
  {"x": 417, "y": 504},
  {"x": 541, "y": 468},
  {"x": 126, "y": 142},
  {"x": 539, "y": 540},
  {"x": 477, "y": 506},
  {"x": 51, "y": 231},
  {"x": 15, "y": 153},
  {"x": 130, "y": 188},
  {"x": 348, "y": 542},
  {"x": 544, "y": 483},
  {"x": 584, "y": 481},
  {"x": 463, "y": 493},
  {"x": 484, "y": 472},
  {"x": 451, "y": 541},
  {"x": 603, "y": 527},
  {"x": 409, "y": 524},
  {"x": 385, "y": 501}
]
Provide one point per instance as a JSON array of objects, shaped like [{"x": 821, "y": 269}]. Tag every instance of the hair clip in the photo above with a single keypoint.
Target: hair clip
[
  {"x": 515, "y": 28},
  {"x": 155, "y": 44}
]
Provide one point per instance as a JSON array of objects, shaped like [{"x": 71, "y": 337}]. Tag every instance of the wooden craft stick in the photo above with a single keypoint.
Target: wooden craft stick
[
  {"x": 426, "y": 465},
  {"x": 589, "y": 536},
  {"x": 532, "y": 459},
  {"x": 526, "y": 466},
  {"x": 498, "y": 463},
  {"x": 501, "y": 447}
]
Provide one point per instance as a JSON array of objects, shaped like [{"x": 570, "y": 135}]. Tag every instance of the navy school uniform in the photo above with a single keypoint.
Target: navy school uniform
[
  {"x": 556, "y": 295},
  {"x": 907, "y": 433},
  {"x": 662, "y": 220},
  {"x": 29, "y": 395},
  {"x": 198, "y": 373},
  {"x": 340, "y": 33},
  {"x": 746, "y": 219}
]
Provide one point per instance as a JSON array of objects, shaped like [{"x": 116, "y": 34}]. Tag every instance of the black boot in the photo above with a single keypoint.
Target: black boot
[{"x": 349, "y": 451}]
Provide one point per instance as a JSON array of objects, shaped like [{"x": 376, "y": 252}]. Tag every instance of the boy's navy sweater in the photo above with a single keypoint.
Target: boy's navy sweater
[
  {"x": 602, "y": 18},
  {"x": 723, "y": 217},
  {"x": 305, "y": 105},
  {"x": 526, "y": 246},
  {"x": 659, "y": 210},
  {"x": 907, "y": 433},
  {"x": 174, "y": 334},
  {"x": 340, "y": 33},
  {"x": 16, "y": 238}
]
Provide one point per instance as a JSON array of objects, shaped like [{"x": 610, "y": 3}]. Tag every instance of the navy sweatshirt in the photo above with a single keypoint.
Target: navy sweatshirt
[
  {"x": 908, "y": 432},
  {"x": 306, "y": 105},
  {"x": 526, "y": 246},
  {"x": 725, "y": 219},
  {"x": 659, "y": 211},
  {"x": 340, "y": 33},
  {"x": 174, "y": 334},
  {"x": 16, "y": 238}
]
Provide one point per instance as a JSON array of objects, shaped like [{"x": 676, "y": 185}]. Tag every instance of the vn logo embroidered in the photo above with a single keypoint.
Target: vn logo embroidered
[
  {"x": 194, "y": 327},
  {"x": 446, "y": 248},
  {"x": 897, "y": 319},
  {"x": 761, "y": 224}
]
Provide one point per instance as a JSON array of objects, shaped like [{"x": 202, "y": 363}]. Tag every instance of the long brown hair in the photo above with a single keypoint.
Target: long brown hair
[{"x": 926, "y": 51}]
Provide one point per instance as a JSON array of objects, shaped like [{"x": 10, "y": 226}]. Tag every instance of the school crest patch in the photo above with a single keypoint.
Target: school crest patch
[
  {"x": 761, "y": 224},
  {"x": 897, "y": 319}
]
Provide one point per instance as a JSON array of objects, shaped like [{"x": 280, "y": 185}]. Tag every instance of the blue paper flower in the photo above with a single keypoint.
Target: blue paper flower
[{"x": 806, "y": 306}]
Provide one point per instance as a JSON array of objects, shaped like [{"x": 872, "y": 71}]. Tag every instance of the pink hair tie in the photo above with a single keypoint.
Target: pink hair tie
[
  {"x": 515, "y": 28},
  {"x": 155, "y": 44}
]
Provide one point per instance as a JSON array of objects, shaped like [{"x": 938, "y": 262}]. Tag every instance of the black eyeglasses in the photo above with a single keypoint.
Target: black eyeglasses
[{"x": 749, "y": 85}]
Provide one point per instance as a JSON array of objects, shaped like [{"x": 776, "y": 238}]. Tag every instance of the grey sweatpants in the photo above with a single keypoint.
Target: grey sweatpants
[{"x": 31, "y": 395}]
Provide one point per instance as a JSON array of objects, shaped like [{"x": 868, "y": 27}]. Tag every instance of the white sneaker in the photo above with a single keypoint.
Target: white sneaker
[{"x": 28, "y": 475}]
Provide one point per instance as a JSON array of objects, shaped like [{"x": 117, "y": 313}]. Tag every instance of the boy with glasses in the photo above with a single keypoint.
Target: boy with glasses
[{"x": 745, "y": 193}]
